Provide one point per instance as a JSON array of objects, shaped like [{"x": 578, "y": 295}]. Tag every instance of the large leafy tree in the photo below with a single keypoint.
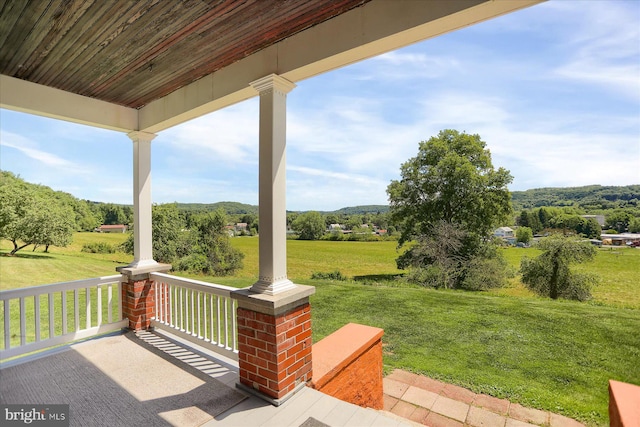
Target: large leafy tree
[
  {"x": 453, "y": 180},
  {"x": 450, "y": 190},
  {"x": 550, "y": 274}
]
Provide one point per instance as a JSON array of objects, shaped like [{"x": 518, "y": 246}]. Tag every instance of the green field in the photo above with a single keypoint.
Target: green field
[{"x": 553, "y": 355}]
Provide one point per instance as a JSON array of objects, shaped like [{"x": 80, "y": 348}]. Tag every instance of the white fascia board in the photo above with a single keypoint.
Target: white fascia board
[
  {"x": 32, "y": 98},
  {"x": 377, "y": 27}
]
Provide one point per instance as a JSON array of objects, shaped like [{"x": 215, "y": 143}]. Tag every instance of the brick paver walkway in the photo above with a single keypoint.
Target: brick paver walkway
[{"x": 437, "y": 404}]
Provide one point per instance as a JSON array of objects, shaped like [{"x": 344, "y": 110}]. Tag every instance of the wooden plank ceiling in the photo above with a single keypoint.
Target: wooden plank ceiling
[{"x": 131, "y": 52}]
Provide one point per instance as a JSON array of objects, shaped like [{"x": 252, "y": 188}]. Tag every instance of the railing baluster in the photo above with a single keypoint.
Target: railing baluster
[
  {"x": 226, "y": 323},
  {"x": 218, "y": 319},
  {"x": 198, "y": 302},
  {"x": 234, "y": 328},
  {"x": 211, "y": 298},
  {"x": 110, "y": 303},
  {"x": 7, "y": 325},
  {"x": 99, "y": 304},
  {"x": 87, "y": 304},
  {"x": 36, "y": 315},
  {"x": 76, "y": 308},
  {"x": 181, "y": 310},
  {"x": 193, "y": 318},
  {"x": 156, "y": 308},
  {"x": 160, "y": 300},
  {"x": 205, "y": 300},
  {"x": 64, "y": 312},
  {"x": 52, "y": 319},
  {"x": 23, "y": 323}
]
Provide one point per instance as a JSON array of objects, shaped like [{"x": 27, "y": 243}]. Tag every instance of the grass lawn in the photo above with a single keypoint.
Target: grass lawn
[
  {"x": 28, "y": 268},
  {"x": 552, "y": 355}
]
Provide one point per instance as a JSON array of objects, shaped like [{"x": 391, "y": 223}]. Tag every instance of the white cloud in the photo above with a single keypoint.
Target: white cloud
[
  {"x": 228, "y": 136},
  {"x": 604, "y": 48},
  {"x": 30, "y": 149}
]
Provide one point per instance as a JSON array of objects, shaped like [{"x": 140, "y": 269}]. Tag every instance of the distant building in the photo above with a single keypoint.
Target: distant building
[
  {"x": 112, "y": 228},
  {"x": 503, "y": 232},
  {"x": 599, "y": 218},
  {"x": 620, "y": 239}
]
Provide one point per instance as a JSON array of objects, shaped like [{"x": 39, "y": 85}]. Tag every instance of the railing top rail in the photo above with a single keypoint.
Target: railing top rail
[
  {"x": 58, "y": 287},
  {"x": 214, "y": 288}
]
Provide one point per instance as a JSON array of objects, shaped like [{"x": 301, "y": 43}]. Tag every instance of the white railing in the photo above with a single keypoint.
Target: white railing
[
  {"x": 201, "y": 312},
  {"x": 45, "y": 316}
]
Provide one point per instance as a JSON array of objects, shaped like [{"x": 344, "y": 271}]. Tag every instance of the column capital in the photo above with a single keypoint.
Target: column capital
[
  {"x": 138, "y": 135},
  {"x": 273, "y": 81}
]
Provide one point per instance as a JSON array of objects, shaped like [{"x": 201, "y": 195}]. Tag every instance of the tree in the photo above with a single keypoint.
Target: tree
[
  {"x": 618, "y": 220},
  {"x": 445, "y": 259},
  {"x": 591, "y": 229},
  {"x": 550, "y": 274},
  {"x": 309, "y": 225},
  {"x": 170, "y": 242},
  {"x": 214, "y": 245},
  {"x": 524, "y": 234},
  {"x": 33, "y": 215},
  {"x": 634, "y": 225},
  {"x": 451, "y": 181}
]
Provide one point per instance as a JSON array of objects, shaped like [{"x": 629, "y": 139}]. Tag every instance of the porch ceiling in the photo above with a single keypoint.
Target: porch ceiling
[
  {"x": 133, "y": 52},
  {"x": 148, "y": 65}
]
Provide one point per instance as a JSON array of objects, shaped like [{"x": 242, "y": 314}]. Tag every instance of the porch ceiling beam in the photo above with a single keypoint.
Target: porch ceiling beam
[
  {"x": 374, "y": 28},
  {"x": 27, "y": 97}
]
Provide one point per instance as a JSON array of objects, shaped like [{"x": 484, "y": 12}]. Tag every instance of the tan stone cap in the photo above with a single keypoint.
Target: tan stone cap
[
  {"x": 337, "y": 351},
  {"x": 626, "y": 399}
]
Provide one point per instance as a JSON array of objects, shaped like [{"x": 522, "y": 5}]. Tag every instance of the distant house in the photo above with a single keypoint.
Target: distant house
[
  {"x": 241, "y": 226},
  {"x": 335, "y": 227},
  {"x": 503, "y": 232},
  {"x": 112, "y": 228}
]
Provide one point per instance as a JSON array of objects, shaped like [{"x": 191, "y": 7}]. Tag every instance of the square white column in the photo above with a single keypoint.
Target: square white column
[
  {"x": 272, "y": 209},
  {"x": 142, "y": 229}
]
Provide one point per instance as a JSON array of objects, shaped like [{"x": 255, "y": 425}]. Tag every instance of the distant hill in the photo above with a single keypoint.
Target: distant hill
[
  {"x": 231, "y": 208},
  {"x": 360, "y": 210},
  {"x": 236, "y": 208},
  {"x": 590, "y": 197}
]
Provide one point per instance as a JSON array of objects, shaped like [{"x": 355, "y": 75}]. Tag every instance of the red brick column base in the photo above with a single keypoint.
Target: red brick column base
[
  {"x": 274, "y": 342},
  {"x": 348, "y": 365},
  {"x": 138, "y": 303},
  {"x": 138, "y": 295}
]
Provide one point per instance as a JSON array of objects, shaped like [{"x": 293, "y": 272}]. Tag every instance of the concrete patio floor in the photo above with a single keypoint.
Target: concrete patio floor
[{"x": 167, "y": 372}]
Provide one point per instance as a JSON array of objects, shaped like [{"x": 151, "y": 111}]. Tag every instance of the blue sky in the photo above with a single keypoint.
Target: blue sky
[{"x": 554, "y": 91}]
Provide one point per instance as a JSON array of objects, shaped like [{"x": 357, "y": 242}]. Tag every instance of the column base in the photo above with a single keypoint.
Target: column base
[
  {"x": 269, "y": 399},
  {"x": 272, "y": 288}
]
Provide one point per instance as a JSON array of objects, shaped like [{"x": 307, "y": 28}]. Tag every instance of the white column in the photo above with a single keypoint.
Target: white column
[
  {"x": 142, "y": 229},
  {"x": 272, "y": 279}
]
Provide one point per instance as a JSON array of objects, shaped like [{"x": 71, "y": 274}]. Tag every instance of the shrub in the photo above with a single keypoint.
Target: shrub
[
  {"x": 333, "y": 275},
  {"x": 195, "y": 263},
  {"x": 98, "y": 248},
  {"x": 550, "y": 274}
]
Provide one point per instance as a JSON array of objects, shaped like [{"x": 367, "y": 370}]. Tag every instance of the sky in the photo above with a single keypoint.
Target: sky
[{"x": 553, "y": 90}]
